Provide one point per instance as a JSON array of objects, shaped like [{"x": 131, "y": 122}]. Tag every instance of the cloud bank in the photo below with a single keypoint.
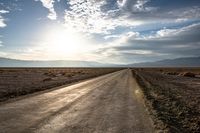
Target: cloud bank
[
  {"x": 94, "y": 17},
  {"x": 164, "y": 43}
]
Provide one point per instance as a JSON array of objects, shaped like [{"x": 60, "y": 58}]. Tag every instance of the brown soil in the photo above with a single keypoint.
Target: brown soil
[
  {"x": 15, "y": 82},
  {"x": 173, "y": 101}
]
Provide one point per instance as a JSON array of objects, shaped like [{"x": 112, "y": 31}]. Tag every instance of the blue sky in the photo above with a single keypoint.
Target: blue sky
[{"x": 108, "y": 31}]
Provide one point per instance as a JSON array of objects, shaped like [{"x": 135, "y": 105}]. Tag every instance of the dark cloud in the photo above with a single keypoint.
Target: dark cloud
[
  {"x": 152, "y": 10},
  {"x": 165, "y": 43}
]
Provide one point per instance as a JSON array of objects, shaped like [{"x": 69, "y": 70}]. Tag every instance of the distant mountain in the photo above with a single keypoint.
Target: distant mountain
[
  {"x": 179, "y": 62},
  {"x": 6, "y": 62}
]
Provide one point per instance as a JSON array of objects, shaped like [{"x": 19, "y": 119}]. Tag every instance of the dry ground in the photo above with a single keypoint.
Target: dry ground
[
  {"x": 107, "y": 104},
  {"x": 20, "y": 81},
  {"x": 172, "y": 98}
]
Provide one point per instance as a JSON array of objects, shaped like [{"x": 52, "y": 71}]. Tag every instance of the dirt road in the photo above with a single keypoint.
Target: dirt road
[{"x": 107, "y": 104}]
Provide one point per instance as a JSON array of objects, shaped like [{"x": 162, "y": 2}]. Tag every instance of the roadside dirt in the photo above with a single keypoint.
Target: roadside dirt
[{"x": 174, "y": 101}]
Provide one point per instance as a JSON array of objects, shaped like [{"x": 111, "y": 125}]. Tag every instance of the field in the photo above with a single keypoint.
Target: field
[
  {"x": 172, "y": 96},
  {"x": 15, "y": 82}
]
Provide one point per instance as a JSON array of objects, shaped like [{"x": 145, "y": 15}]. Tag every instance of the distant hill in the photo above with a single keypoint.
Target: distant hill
[
  {"x": 179, "y": 62},
  {"x": 6, "y": 62}
]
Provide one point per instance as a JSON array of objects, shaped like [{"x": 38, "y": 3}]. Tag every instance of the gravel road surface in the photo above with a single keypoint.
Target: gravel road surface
[{"x": 107, "y": 104}]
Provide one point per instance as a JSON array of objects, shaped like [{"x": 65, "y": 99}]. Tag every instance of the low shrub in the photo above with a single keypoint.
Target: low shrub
[{"x": 187, "y": 74}]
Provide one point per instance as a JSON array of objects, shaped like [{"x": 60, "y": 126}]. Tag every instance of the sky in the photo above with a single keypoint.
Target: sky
[{"x": 107, "y": 31}]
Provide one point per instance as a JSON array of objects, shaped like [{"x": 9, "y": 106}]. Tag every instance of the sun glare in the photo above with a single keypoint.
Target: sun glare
[{"x": 64, "y": 41}]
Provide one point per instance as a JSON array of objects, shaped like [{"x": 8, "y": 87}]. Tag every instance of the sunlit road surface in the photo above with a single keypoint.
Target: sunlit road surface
[{"x": 108, "y": 104}]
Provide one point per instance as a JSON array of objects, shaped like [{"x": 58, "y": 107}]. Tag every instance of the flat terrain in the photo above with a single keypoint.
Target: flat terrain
[
  {"x": 172, "y": 97},
  {"x": 15, "y": 82},
  {"x": 142, "y": 100},
  {"x": 107, "y": 104}
]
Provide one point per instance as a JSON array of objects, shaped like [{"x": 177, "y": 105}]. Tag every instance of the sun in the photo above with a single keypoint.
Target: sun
[{"x": 62, "y": 41}]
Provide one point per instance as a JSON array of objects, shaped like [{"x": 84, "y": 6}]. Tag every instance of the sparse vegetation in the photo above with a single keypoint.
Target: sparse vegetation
[
  {"x": 15, "y": 82},
  {"x": 172, "y": 100},
  {"x": 188, "y": 74}
]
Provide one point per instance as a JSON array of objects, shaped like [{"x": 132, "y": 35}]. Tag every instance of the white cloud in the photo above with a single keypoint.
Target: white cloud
[
  {"x": 2, "y": 19},
  {"x": 49, "y": 4},
  {"x": 184, "y": 14},
  {"x": 136, "y": 5},
  {"x": 164, "y": 33},
  {"x": 2, "y": 22},
  {"x": 4, "y": 11},
  {"x": 138, "y": 52},
  {"x": 118, "y": 40},
  {"x": 87, "y": 16},
  {"x": 176, "y": 32},
  {"x": 140, "y": 6},
  {"x": 3, "y": 54},
  {"x": 180, "y": 20},
  {"x": 1, "y": 43}
]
